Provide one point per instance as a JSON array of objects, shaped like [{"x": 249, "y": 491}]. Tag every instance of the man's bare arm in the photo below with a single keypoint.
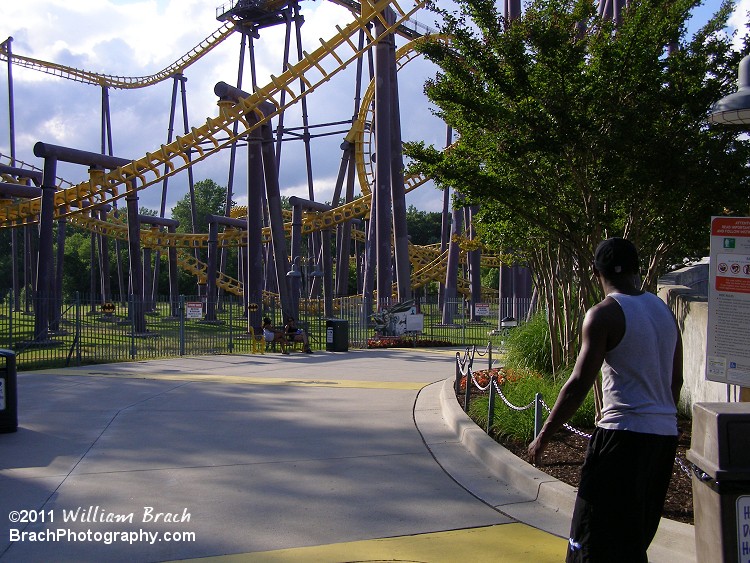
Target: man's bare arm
[{"x": 596, "y": 327}]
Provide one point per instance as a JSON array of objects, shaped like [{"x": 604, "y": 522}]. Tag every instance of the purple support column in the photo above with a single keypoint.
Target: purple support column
[
  {"x": 174, "y": 291},
  {"x": 295, "y": 282},
  {"x": 213, "y": 247},
  {"x": 137, "y": 312},
  {"x": 445, "y": 228},
  {"x": 254, "y": 274},
  {"x": 451, "y": 273},
  {"x": 475, "y": 264},
  {"x": 105, "y": 282},
  {"x": 383, "y": 153},
  {"x": 44, "y": 261},
  {"x": 398, "y": 193}
]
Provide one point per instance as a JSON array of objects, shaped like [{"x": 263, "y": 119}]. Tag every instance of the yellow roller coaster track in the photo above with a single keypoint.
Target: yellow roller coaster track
[
  {"x": 361, "y": 136},
  {"x": 123, "y": 82},
  {"x": 102, "y": 187},
  {"x": 216, "y": 134}
]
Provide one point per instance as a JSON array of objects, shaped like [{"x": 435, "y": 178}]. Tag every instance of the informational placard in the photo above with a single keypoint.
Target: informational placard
[
  {"x": 743, "y": 529},
  {"x": 407, "y": 322},
  {"x": 482, "y": 309},
  {"x": 193, "y": 310},
  {"x": 415, "y": 323},
  {"x": 728, "y": 347}
]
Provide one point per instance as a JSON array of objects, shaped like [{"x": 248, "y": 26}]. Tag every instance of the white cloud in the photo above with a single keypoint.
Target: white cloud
[
  {"x": 739, "y": 20},
  {"x": 141, "y": 37}
]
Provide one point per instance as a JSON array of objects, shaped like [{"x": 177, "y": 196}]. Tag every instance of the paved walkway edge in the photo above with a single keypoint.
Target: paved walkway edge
[
  {"x": 674, "y": 541},
  {"x": 502, "y": 463}
]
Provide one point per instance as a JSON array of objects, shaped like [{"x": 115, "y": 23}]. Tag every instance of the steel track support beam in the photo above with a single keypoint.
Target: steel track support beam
[{"x": 383, "y": 154}]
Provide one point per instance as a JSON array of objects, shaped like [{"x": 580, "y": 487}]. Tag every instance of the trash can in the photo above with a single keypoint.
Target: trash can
[
  {"x": 720, "y": 451},
  {"x": 8, "y": 395},
  {"x": 337, "y": 335}
]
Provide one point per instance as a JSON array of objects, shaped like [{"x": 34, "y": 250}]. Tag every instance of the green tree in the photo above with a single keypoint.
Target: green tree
[
  {"x": 424, "y": 227},
  {"x": 210, "y": 198},
  {"x": 573, "y": 129}
]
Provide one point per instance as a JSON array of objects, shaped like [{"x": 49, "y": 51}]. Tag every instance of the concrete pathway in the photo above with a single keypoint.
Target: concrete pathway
[{"x": 328, "y": 457}]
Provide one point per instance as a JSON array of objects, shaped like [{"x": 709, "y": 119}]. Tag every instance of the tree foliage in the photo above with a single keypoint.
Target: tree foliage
[
  {"x": 573, "y": 129},
  {"x": 424, "y": 227},
  {"x": 210, "y": 198}
]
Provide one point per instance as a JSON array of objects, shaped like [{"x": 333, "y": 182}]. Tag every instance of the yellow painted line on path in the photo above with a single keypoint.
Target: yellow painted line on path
[
  {"x": 242, "y": 379},
  {"x": 508, "y": 543}
]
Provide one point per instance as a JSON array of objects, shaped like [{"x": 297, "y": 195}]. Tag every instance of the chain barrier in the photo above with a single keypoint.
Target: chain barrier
[
  {"x": 688, "y": 471},
  {"x": 508, "y": 403},
  {"x": 476, "y": 383},
  {"x": 487, "y": 350},
  {"x": 684, "y": 466}
]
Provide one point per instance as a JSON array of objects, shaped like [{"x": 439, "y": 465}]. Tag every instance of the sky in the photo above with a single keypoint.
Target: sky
[{"x": 141, "y": 37}]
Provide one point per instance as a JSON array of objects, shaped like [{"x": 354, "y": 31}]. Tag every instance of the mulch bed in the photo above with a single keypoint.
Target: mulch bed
[{"x": 565, "y": 453}]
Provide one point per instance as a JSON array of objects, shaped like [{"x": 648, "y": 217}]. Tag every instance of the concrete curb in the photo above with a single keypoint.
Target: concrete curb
[
  {"x": 674, "y": 541},
  {"x": 552, "y": 493}
]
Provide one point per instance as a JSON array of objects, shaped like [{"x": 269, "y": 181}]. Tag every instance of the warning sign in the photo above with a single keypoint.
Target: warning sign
[
  {"x": 728, "y": 347},
  {"x": 193, "y": 310},
  {"x": 482, "y": 309}
]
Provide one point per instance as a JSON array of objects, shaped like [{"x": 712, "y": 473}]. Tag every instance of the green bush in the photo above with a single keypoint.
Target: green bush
[
  {"x": 528, "y": 346},
  {"x": 519, "y": 425}
]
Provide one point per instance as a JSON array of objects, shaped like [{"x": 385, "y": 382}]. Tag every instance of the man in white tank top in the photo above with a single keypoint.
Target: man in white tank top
[{"x": 632, "y": 337}]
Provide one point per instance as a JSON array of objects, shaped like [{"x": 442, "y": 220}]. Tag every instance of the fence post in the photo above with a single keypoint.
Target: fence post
[
  {"x": 131, "y": 312},
  {"x": 457, "y": 383},
  {"x": 467, "y": 391},
  {"x": 182, "y": 325},
  {"x": 489, "y": 355},
  {"x": 537, "y": 414},
  {"x": 78, "y": 328},
  {"x": 10, "y": 321},
  {"x": 228, "y": 301},
  {"x": 491, "y": 403}
]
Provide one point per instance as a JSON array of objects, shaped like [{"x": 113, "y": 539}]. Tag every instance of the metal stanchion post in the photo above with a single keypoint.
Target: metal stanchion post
[
  {"x": 467, "y": 391},
  {"x": 537, "y": 414},
  {"x": 491, "y": 404}
]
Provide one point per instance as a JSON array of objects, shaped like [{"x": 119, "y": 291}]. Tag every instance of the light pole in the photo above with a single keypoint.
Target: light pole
[
  {"x": 303, "y": 276},
  {"x": 734, "y": 109}
]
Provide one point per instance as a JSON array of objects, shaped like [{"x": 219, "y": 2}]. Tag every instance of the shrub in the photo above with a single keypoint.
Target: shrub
[
  {"x": 519, "y": 425},
  {"x": 528, "y": 345}
]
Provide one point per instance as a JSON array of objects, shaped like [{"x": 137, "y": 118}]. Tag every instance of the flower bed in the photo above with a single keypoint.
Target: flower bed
[
  {"x": 405, "y": 342},
  {"x": 503, "y": 375}
]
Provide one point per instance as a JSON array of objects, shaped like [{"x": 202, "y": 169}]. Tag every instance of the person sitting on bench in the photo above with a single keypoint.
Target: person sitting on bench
[
  {"x": 294, "y": 334},
  {"x": 270, "y": 335}
]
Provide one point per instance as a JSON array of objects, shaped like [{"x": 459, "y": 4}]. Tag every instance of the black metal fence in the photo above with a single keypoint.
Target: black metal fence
[
  {"x": 85, "y": 332},
  {"x": 82, "y": 333}
]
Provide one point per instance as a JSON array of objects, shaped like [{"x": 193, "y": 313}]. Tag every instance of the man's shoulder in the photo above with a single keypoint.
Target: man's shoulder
[
  {"x": 606, "y": 306},
  {"x": 605, "y": 314}
]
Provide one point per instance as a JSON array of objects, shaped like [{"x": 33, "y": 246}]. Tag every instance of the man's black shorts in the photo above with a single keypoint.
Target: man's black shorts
[{"x": 624, "y": 482}]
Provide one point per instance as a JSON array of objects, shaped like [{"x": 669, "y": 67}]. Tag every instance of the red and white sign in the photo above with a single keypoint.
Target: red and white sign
[
  {"x": 193, "y": 310},
  {"x": 482, "y": 309},
  {"x": 728, "y": 347}
]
